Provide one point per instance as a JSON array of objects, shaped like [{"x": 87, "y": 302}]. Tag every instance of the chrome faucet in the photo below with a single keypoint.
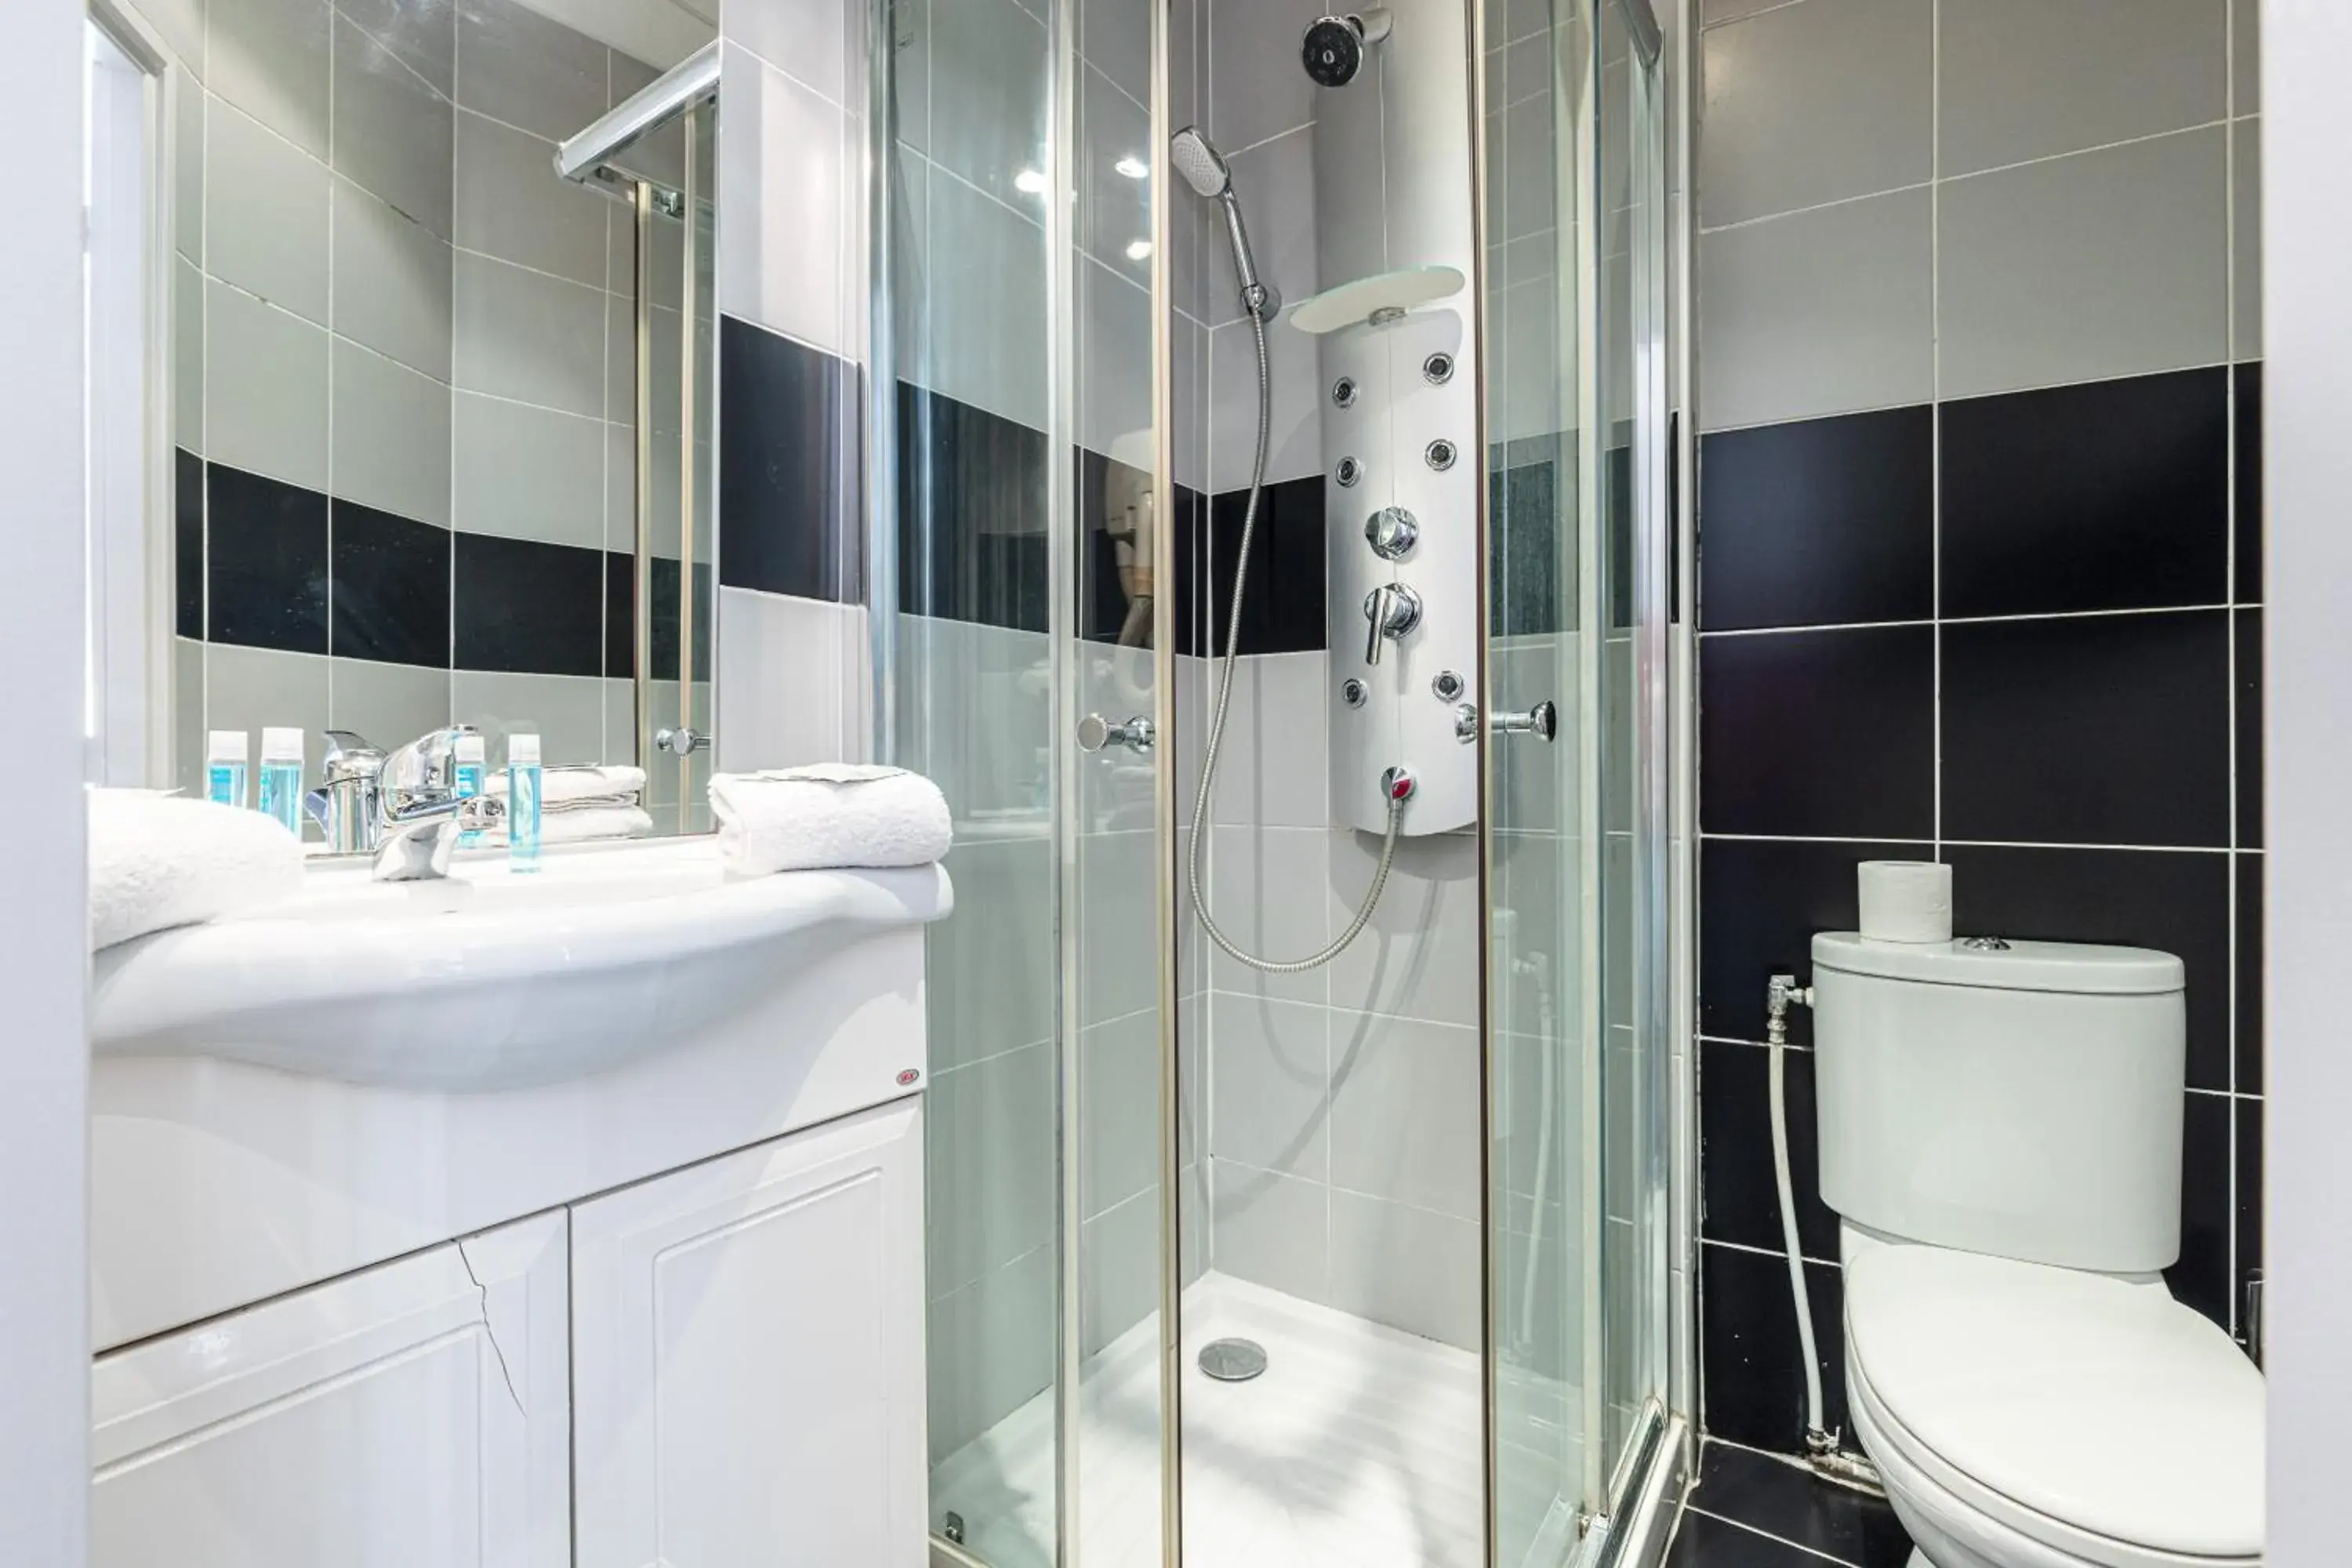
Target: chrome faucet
[
  {"x": 402, "y": 807},
  {"x": 1392, "y": 609}
]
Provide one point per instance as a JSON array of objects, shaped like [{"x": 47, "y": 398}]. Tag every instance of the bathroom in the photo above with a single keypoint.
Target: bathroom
[{"x": 1071, "y": 782}]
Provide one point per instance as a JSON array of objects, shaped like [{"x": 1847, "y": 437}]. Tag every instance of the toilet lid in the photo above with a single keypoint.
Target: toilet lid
[{"x": 2099, "y": 1403}]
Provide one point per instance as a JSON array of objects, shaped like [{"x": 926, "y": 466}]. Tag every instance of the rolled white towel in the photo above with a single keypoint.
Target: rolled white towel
[
  {"x": 557, "y": 785},
  {"x": 162, "y": 861},
  {"x": 574, "y": 825},
  {"x": 827, "y": 815}
]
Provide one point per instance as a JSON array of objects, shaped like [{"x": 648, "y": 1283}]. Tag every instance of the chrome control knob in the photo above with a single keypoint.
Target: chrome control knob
[
  {"x": 1392, "y": 531},
  {"x": 1392, "y": 609},
  {"x": 1095, "y": 732},
  {"x": 680, "y": 743}
]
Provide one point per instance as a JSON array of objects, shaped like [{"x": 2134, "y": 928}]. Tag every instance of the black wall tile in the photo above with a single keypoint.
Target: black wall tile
[
  {"x": 2246, "y": 716},
  {"x": 391, "y": 582},
  {"x": 2249, "y": 505},
  {"x": 1819, "y": 521},
  {"x": 621, "y": 624},
  {"x": 1828, "y": 733},
  {"x": 2173, "y": 902},
  {"x": 1531, "y": 586},
  {"x": 1283, "y": 610},
  {"x": 2088, "y": 730},
  {"x": 1115, "y": 506},
  {"x": 1751, "y": 1362},
  {"x": 2201, "y": 1278},
  {"x": 2103, "y": 496},
  {"x": 1760, "y": 902},
  {"x": 523, "y": 605},
  {"x": 265, "y": 562},
  {"x": 2251, "y": 1116},
  {"x": 2249, "y": 1015},
  {"x": 789, "y": 487},
  {"x": 187, "y": 544},
  {"x": 1741, "y": 1197},
  {"x": 1784, "y": 1500},
  {"x": 974, "y": 514},
  {"x": 1191, "y": 571}
]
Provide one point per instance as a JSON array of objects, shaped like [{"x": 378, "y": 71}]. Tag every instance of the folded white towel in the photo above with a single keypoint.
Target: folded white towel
[
  {"x": 619, "y": 783},
  {"x": 575, "y": 824},
  {"x": 160, "y": 860},
  {"x": 828, "y": 815}
]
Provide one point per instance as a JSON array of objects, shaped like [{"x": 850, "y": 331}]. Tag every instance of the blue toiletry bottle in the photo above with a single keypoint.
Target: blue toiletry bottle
[
  {"x": 281, "y": 777},
  {"x": 226, "y": 752},
  {"x": 472, "y": 768},
  {"x": 523, "y": 802}
]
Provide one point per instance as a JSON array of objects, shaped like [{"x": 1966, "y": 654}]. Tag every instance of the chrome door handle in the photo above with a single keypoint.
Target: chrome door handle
[
  {"x": 1390, "y": 610},
  {"x": 1542, "y": 721},
  {"x": 681, "y": 742},
  {"x": 1095, "y": 732}
]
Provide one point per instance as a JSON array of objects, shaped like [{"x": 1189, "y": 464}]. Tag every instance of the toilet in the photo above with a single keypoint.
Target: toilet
[{"x": 2001, "y": 1136}]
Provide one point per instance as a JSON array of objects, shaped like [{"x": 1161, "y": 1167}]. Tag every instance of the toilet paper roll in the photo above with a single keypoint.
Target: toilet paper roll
[{"x": 1906, "y": 900}]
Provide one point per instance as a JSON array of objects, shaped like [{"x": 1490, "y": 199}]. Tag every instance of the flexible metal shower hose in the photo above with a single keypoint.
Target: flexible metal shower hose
[{"x": 1217, "y": 725}]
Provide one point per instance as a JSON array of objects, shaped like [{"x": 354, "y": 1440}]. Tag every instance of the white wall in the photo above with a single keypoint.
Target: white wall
[
  {"x": 43, "y": 1068},
  {"x": 2308, "y": 468}
]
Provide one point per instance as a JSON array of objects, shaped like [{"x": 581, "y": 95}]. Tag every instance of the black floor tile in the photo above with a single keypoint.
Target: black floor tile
[
  {"x": 2173, "y": 902},
  {"x": 1830, "y": 733},
  {"x": 1784, "y": 1499},
  {"x": 2201, "y": 1278},
  {"x": 1819, "y": 521},
  {"x": 2088, "y": 730},
  {"x": 2109, "y": 495},
  {"x": 1703, "y": 1540},
  {"x": 1760, "y": 902},
  {"x": 1751, "y": 1362},
  {"x": 1740, "y": 1199}
]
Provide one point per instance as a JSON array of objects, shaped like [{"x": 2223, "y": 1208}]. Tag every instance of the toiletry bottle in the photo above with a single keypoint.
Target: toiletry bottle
[
  {"x": 281, "y": 777},
  {"x": 225, "y": 754},
  {"x": 472, "y": 757},
  {"x": 523, "y": 802}
]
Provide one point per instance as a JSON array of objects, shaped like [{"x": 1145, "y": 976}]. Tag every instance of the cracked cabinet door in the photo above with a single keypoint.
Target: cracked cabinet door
[
  {"x": 748, "y": 1341},
  {"x": 414, "y": 1413}
]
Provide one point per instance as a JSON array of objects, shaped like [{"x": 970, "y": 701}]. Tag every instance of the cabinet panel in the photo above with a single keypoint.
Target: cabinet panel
[
  {"x": 414, "y": 1413},
  {"x": 748, "y": 1335}
]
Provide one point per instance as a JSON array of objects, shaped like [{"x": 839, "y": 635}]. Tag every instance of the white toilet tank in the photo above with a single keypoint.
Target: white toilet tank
[{"x": 2024, "y": 1100}]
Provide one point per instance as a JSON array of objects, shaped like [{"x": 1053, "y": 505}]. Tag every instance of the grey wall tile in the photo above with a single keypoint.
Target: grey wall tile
[
  {"x": 912, "y": 76},
  {"x": 252, "y": 689},
  {"x": 1271, "y": 764},
  {"x": 1270, "y": 1229},
  {"x": 2102, "y": 264},
  {"x": 2024, "y": 78},
  {"x": 393, "y": 134},
  {"x": 809, "y": 40},
  {"x": 188, "y": 171},
  {"x": 509, "y": 202},
  {"x": 991, "y": 980},
  {"x": 988, "y": 304},
  {"x": 391, "y": 281},
  {"x": 1405, "y": 1111},
  {"x": 1814, "y": 103},
  {"x": 1256, "y": 880},
  {"x": 1270, "y": 1103},
  {"x": 528, "y": 336},
  {"x": 1118, "y": 1111},
  {"x": 1407, "y": 1269},
  {"x": 1275, "y": 184},
  {"x": 422, "y": 33},
  {"x": 1523, "y": 193},
  {"x": 180, "y": 24},
  {"x": 2246, "y": 240},
  {"x": 566, "y": 710},
  {"x": 988, "y": 95},
  {"x": 1119, "y": 969},
  {"x": 188, "y": 356},
  {"x": 1119, "y": 1257},
  {"x": 391, "y": 436},
  {"x": 1114, "y": 210},
  {"x": 1714, "y": 11},
  {"x": 783, "y": 264},
  {"x": 265, "y": 388},
  {"x": 2245, "y": 57},
  {"x": 1255, "y": 87},
  {"x": 269, "y": 58},
  {"x": 992, "y": 1350},
  {"x": 1114, "y": 402},
  {"x": 1822, "y": 312},
  {"x": 1419, "y": 957},
  {"x": 188, "y": 715},
  {"x": 990, "y": 1170},
  {"x": 1294, "y": 442},
  {"x": 527, "y": 70},
  {"x": 267, "y": 214},
  {"x": 1115, "y": 37},
  {"x": 391, "y": 704},
  {"x": 523, "y": 472}
]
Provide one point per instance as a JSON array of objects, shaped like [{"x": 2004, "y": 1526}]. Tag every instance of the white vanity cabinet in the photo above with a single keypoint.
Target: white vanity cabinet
[
  {"x": 414, "y": 1413},
  {"x": 748, "y": 1346}
]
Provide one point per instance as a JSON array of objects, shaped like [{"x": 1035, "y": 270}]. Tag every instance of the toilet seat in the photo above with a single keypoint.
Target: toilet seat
[{"x": 2088, "y": 1414}]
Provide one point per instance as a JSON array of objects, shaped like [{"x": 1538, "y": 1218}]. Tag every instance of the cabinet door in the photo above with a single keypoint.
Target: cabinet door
[
  {"x": 416, "y": 1413},
  {"x": 748, "y": 1351}
]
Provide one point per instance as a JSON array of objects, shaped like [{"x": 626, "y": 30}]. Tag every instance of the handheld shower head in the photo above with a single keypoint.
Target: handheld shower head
[
  {"x": 1198, "y": 161},
  {"x": 1207, "y": 173}
]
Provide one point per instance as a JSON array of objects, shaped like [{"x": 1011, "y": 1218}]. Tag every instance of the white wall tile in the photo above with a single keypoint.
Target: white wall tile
[
  {"x": 792, "y": 681},
  {"x": 809, "y": 40},
  {"x": 784, "y": 248}
]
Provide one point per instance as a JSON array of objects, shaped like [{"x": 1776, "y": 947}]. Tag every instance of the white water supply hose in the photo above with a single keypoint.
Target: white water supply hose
[{"x": 1779, "y": 1046}]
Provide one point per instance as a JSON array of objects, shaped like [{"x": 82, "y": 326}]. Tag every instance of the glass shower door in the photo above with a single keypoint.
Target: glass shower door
[{"x": 1575, "y": 769}]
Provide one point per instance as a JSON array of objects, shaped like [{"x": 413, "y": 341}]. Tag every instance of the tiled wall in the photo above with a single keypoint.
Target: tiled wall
[
  {"x": 404, "y": 398},
  {"x": 1980, "y": 563}
]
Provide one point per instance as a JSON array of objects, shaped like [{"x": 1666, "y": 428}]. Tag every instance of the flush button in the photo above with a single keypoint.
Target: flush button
[{"x": 1986, "y": 944}]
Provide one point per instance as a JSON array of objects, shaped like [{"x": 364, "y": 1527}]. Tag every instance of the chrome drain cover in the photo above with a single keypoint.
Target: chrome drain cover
[{"x": 1232, "y": 1360}]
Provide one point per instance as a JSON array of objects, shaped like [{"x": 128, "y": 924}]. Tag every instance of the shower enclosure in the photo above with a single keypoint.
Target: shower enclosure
[{"x": 1291, "y": 388}]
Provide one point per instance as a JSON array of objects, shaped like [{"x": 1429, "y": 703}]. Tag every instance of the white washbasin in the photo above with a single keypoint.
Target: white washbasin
[{"x": 488, "y": 980}]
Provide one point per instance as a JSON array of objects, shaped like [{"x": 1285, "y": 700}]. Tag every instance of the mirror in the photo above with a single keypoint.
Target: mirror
[{"x": 437, "y": 427}]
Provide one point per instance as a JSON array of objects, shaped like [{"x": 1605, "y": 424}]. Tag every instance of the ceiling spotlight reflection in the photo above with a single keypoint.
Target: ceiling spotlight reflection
[
  {"x": 1031, "y": 181},
  {"x": 1137, "y": 249},
  {"x": 1133, "y": 167}
]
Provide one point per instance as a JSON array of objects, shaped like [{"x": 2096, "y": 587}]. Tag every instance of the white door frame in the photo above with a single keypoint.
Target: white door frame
[{"x": 44, "y": 931}]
